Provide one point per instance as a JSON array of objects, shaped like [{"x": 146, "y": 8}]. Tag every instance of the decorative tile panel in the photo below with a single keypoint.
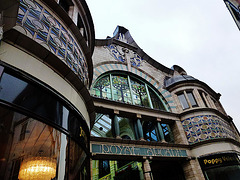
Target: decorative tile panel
[
  {"x": 206, "y": 127},
  {"x": 40, "y": 24},
  {"x": 119, "y": 55}
]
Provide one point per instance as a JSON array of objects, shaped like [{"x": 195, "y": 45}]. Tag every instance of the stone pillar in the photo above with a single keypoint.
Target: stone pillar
[
  {"x": 140, "y": 129},
  {"x": 115, "y": 127},
  {"x": 160, "y": 132},
  {"x": 179, "y": 133},
  {"x": 147, "y": 170},
  {"x": 192, "y": 170}
]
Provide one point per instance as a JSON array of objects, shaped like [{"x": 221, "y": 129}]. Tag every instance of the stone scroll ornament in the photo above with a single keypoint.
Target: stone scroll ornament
[
  {"x": 120, "y": 55},
  {"x": 40, "y": 24}
]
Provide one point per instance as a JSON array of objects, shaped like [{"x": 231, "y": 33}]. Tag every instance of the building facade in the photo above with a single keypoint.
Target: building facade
[
  {"x": 45, "y": 70},
  {"x": 72, "y": 107},
  {"x": 233, "y": 7},
  {"x": 153, "y": 122}
]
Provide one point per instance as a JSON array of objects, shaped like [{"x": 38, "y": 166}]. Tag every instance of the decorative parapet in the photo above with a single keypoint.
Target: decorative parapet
[
  {"x": 206, "y": 127},
  {"x": 40, "y": 24}
]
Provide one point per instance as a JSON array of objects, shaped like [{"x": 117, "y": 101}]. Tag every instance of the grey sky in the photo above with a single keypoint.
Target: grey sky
[{"x": 199, "y": 36}]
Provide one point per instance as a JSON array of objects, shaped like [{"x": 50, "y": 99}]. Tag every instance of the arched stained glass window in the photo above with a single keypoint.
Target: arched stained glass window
[
  {"x": 140, "y": 96},
  {"x": 102, "y": 87},
  {"x": 120, "y": 88},
  {"x": 128, "y": 89}
]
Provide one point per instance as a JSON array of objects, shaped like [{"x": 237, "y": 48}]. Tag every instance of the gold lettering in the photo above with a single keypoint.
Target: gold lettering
[{"x": 82, "y": 133}]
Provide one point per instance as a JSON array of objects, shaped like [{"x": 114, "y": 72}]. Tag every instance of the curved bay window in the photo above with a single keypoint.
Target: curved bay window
[
  {"x": 128, "y": 89},
  {"x": 44, "y": 138}
]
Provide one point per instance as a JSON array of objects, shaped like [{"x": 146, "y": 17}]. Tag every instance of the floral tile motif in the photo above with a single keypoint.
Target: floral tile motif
[
  {"x": 206, "y": 127},
  {"x": 38, "y": 23},
  {"x": 119, "y": 55}
]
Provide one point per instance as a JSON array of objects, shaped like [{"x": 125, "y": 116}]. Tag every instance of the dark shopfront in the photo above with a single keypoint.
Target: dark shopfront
[
  {"x": 120, "y": 162},
  {"x": 222, "y": 166},
  {"x": 42, "y": 135}
]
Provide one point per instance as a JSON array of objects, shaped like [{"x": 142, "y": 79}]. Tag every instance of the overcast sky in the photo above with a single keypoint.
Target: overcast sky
[{"x": 199, "y": 36}]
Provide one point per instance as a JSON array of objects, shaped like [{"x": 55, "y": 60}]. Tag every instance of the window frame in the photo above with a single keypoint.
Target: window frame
[
  {"x": 165, "y": 106},
  {"x": 191, "y": 102}
]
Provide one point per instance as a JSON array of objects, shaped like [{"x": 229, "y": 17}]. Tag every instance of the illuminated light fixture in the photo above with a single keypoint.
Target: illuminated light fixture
[{"x": 39, "y": 168}]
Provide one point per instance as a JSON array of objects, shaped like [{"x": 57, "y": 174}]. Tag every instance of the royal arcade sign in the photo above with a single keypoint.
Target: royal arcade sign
[{"x": 137, "y": 151}]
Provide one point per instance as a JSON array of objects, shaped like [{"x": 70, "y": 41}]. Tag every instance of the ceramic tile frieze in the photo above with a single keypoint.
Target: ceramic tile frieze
[
  {"x": 120, "y": 54},
  {"x": 39, "y": 23},
  {"x": 206, "y": 127}
]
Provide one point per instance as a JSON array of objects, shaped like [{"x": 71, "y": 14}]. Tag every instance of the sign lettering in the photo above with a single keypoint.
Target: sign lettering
[{"x": 137, "y": 151}]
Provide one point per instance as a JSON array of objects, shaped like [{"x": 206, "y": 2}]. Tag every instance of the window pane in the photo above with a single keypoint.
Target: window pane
[
  {"x": 183, "y": 101},
  {"x": 149, "y": 131},
  {"x": 192, "y": 99},
  {"x": 203, "y": 99},
  {"x": 102, "y": 88},
  {"x": 156, "y": 102},
  {"x": 223, "y": 173},
  {"x": 104, "y": 168},
  {"x": 121, "y": 89},
  {"x": 42, "y": 146},
  {"x": 139, "y": 94},
  {"x": 167, "y": 133}
]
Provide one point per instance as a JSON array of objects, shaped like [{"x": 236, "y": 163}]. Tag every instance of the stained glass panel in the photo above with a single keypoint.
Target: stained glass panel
[
  {"x": 116, "y": 87},
  {"x": 121, "y": 89},
  {"x": 156, "y": 102},
  {"x": 139, "y": 93},
  {"x": 102, "y": 88}
]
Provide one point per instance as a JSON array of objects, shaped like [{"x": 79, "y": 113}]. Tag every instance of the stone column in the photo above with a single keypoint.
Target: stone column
[
  {"x": 160, "y": 132},
  {"x": 115, "y": 127},
  {"x": 192, "y": 170},
  {"x": 179, "y": 133},
  {"x": 140, "y": 129},
  {"x": 147, "y": 170}
]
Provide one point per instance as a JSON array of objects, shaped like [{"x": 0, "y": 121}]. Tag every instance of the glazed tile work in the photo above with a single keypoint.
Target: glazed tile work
[
  {"x": 201, "y": 128},
  {"x": 119, "y": 55},
  {"x": 38, "y": 23}
]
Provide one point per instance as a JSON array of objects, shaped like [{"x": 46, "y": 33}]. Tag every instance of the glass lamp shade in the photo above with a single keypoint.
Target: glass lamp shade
[{"x": 37, "y": 168}]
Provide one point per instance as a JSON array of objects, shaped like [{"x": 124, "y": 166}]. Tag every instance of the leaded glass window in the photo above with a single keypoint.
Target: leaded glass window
[
  {"x": 139, "y": 94},
  {"x": 155, "y": 100},
  {"x": 121, "y": 89},
  {"x": 128, "y": 89},
  {"x": 102, "y": 88}
]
